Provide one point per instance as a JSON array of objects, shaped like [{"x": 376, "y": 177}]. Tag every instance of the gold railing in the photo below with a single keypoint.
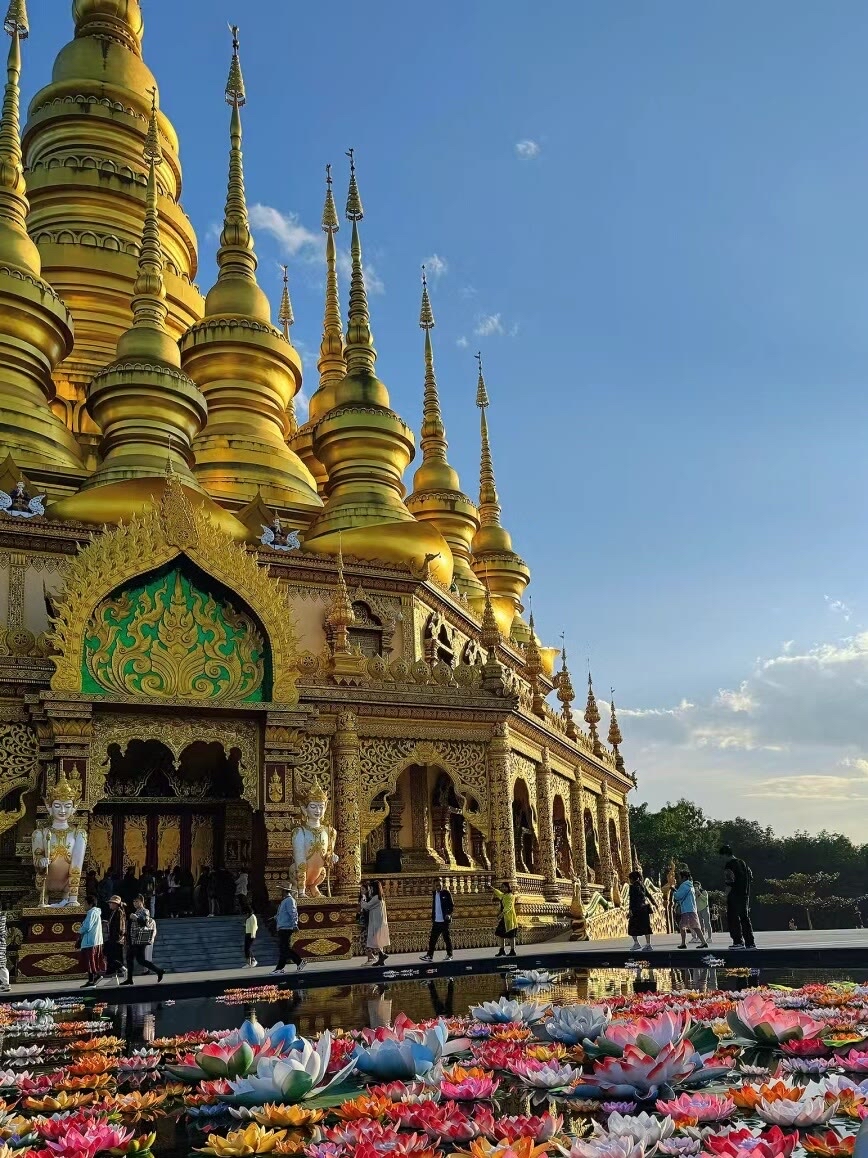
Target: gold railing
[{"x": 462, "y": 883}]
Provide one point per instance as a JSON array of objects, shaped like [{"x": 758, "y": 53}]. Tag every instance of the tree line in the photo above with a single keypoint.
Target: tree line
[{"x": 817, "y": 880}]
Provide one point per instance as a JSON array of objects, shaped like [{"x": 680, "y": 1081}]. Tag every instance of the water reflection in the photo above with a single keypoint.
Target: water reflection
[{"x": 359, "y": 1006}]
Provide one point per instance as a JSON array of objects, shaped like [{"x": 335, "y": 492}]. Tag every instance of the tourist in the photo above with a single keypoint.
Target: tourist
[
  {"x": 364, "y": 894},
  {"x": 161, "y": 896},
  {"x": 639, "y": 913},
  {"x": 737, "y": 879},
  {"x": 287, "y": 924},
  {"x": 241, "y": 890},
  {"x": 4, "y": 965},
  {"x": 141, "y": 932},
  {"x": 90, "y": 943},
  {"x": 507, "y": 926},
  {"x": 688, "y": 918},
  {"x": 251, "y": 928},
  {"x": 148, "y": 889},
  {"x": 105, "y": 889},
  {"x": 116, "y": 936},
  {"x": 792, "y": 925},
  {"x": 204, "y": 893},
  {"x": 129, "y": 887},
  {"x": 703, "y": 910},
  {"x": 377, "y": 940},
  {"x": 173, "y": 884},
  {"x": 442, "y": 908}
]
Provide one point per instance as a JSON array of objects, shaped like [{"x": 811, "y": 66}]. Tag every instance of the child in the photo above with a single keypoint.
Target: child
[
  {"x": 251, "y": 928},
  {"x": 685, "y": 898},
  {"x": 639, "y": 918}
]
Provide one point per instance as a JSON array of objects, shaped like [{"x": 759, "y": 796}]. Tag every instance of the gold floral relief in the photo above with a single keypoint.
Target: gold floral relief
[{"x": 168, "y": 639}]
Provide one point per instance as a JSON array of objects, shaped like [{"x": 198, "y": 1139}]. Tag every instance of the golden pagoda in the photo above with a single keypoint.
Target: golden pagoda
[{"x": 213, "y": 611}]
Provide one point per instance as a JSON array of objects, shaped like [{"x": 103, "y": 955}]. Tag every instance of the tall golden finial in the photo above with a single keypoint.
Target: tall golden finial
[
  {"x": 236, "y": 257},
  {"x": 15, "y": 247},
  {"x": 533, "y": 669},
  {"x": 360, "y": 353},
  {"x": 566, "y": 695},
  {"x": 489, "y": 505},
  {"x": 592, "y": 716},
  {"x": 615, "y": 738},
  {"x": 286, "y": 317},
  {"x": 149, "y": 304},
  {"x": 341, "y": 616},
  {"x": 332, "y": 365},
  {"x": 490, "y": 636},
  {"x": 434, "y": 444}
]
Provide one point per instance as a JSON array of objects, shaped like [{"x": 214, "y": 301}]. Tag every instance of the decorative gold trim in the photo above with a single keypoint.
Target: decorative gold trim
[{"x": 148, "y": 542}]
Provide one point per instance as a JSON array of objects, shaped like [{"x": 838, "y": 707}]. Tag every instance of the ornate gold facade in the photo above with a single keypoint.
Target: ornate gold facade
[{"x": 195, "y": 676}]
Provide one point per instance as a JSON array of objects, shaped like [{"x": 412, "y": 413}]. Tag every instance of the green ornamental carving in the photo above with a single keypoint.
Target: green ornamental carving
[{"x": 166, "y": 638}]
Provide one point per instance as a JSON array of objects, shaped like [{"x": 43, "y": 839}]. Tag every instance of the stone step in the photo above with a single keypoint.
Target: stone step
[{"x": 193, "y": 944}]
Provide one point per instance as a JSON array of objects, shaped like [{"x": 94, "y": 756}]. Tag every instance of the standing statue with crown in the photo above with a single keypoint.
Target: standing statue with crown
[
  {"x": 59, "y": 848},
  {"x": 313, "y": 847}
]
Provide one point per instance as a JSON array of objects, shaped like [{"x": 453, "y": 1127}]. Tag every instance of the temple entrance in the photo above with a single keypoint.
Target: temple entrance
[
  {"x": 429, "y": 827},
  {"x": 165, "y": 813}
]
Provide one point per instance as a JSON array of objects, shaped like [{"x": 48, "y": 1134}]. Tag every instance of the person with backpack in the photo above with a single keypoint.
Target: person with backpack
[
  {"x": 141, "y": 932},
  {"x": 737, "y": 880},
  {"x": 639, "y": 913}
]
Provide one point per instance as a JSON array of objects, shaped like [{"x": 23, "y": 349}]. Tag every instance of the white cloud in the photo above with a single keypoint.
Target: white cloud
[
  {"x": 373, "y": 282},
  {"x": 792, "y": 736},
  {"x": 462, "y": 342},
  {"x": 488, "y": 324},
  {"x": 293, "y": 238},
  {"x": 839, "y": 607},
  {"x": 435, "y": 266},
  {"x": 527, "y": 149},
  {"x": 468, "y": 291}
]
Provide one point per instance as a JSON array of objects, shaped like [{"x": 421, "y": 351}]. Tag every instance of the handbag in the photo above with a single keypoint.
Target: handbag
[{"x": 141, "y": 932}]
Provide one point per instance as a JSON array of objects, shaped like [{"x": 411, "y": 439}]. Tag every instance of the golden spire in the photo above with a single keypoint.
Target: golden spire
[
  {"x": 247, "y": 369},
  {"x": 437, "y": 494},
  {"x": 592, "y": 716},
  {"x": 236, "y": 257},
  {"x": 36, "y": 330},
  {"x": 341, "y": 616},
  {"x": 566, "y": 695},
  {"x": 360, "y": 353},
  {"x": 615, "y": 738},
  {"x": 506, "y": 573},
  {"x": 286, "y": 317},
  {"x": 148, "y": 337},
  {"x": 332, "y": 365},
  {"x": 364, "y": 447},
  {"x": 489, "y": 505},
  {"x": 16, "y": 248},
  {"x": 533, "y": 669},
  {"x": 490, "y": 636}
]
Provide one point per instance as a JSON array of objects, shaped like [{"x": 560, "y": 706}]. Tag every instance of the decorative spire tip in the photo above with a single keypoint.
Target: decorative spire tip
[
  {"x": 481, "y": 391},
  {"x": 354, "y": 211},
  {"x": 426, "y": 317},
  {"x": 152, "y": 150},
  {"x": 235, "y": 94},
  {"x": 330, "y": 223},
  {"x": 16, "y": 19}
]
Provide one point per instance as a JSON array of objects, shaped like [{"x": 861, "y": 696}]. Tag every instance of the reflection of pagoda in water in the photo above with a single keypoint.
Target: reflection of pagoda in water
[{"x": 204, "y": 673}]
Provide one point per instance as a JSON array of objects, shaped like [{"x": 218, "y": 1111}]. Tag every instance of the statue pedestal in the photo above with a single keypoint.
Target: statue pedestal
[
  {"x": 48, "y": 949},
  {"x": 327, "y": 929}
]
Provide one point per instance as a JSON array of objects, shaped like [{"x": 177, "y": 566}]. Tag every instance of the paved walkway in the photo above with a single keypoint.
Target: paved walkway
[{"x": 843, "y": 950}]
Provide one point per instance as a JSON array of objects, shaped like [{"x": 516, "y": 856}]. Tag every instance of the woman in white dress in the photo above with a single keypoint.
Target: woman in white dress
[{"x": 378, "y": 923}]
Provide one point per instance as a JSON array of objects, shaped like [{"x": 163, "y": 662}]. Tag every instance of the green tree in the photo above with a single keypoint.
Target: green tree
[
  {"x": 808, "y": 891},
  {"x": 680, "y": 832}
]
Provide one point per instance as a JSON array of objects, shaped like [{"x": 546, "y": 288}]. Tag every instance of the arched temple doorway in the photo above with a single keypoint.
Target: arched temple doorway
[
  {"x": 561, "y": 832},
  {"x": 592, "y": 854},
  {"x": 524, "y": 832},
  {"x": 428, "y": 826},
  {"x": 165, "y": 812}
]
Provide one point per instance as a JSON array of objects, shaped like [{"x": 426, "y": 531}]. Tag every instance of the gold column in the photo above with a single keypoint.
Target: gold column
[
  {"x": 626, "y": 847},
  {"x": 345, "y": 807},
  {"x": 577, "y": 823},
  {"x": 501, "y": 801},
  {"x": 546, "y": 826},
  {"x": 606, "y": 869}
]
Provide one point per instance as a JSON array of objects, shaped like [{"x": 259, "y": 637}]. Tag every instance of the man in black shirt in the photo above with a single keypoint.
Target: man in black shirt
[
  {"x": 737, "y": 879},
  {"x": 442, "y": 907}
]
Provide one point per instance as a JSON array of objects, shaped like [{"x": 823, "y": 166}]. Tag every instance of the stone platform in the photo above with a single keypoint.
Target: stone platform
[{"x": 843, "y": 950}]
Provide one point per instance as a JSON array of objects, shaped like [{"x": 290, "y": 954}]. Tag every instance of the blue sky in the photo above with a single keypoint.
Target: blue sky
[{"x": 658, "y": 214}]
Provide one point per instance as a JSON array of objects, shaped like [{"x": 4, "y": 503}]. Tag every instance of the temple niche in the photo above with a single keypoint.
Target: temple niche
[{"x": 207, "y": 619}]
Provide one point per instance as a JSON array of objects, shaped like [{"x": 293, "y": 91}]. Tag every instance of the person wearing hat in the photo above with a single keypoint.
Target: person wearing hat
[
  {"x": 287, "y": 923},
  {"x": 115, "y": 938}
]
